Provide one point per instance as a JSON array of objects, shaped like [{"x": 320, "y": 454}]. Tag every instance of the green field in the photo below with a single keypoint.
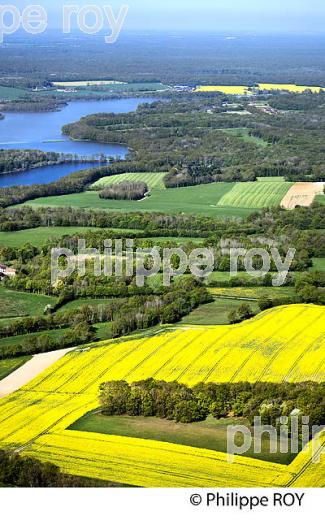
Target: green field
[
  {"x": 255, "y": 194},
  {"x": 201, "y": 199},
  {"x": 216, "y": 199},
  {"x": 318, "y": 264},
  {"x": 243, "y": 133},
  {"x": 11, "y": 93},
  {"x": 253, "y": 293},
  {"x": 210, "y": 434},
  {"x": 14, "y": 303},
  {"x": 7, "y": 366},
  {"x": 224, "y": 276},
  {"x": 38, "y": 236},
  {"x": 270, "y": 179},
  {"x": 177, "y": 240},
  {"x": 102, "y": 333},
  {"x": 16, "y": 340},
  {"x": 320, "y": 199},
  {"x": 153, "y": 179},
  {"x": 216, "y": 313}
]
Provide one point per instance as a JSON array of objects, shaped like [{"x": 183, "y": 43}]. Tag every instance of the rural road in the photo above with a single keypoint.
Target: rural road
[{"x": 30, "y": 370}]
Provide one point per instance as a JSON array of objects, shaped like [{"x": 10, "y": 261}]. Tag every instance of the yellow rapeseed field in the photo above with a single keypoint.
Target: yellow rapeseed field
[
  {"x": 241, "y": 90},
  {"x": 285, "y": 343},
  {"x": 238, "y": 90},
  {"x": 289, "y": 87}
]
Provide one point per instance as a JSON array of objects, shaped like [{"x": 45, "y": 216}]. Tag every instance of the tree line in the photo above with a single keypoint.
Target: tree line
[
  {"x": 178, "y": 402},
  {"x": 124, "y": 316},
  {"x": 125, "y": 191}
]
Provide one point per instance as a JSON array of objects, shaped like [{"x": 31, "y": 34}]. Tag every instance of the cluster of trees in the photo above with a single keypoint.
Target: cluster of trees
[
  {"x": 201, "y": 171},
  {"x": 244, "y": 312},
  {"x": 125, "y": 191},
  {"x": 309, "y": 288},
  {"x": 248, "y": 281},
  {"x": 178, "y": 402},
  {"x": 17, "y": 160},
  {"x": 27, "y": 472},
  {"x": 33, "y": 104},
  {"x": 170, "y": 307},
  {"x": 269, "y": 222},
  {"x": 304, "y": 102},
  {"x": 152, "y": 224},
  {"x": 125, "y": 316},
  {"x": 29, "y": 345}
]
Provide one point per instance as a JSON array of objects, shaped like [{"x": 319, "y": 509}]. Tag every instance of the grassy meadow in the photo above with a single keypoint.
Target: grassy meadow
[
  {"x": 243, "y": 133},
  {"x": 15, "y": 304},
  {"x": 11, "y": 93},
  {"x": 38, "y": 236},
  {"x": 318, "y": 264},
  {"x": 216, "y": 313},
  {"x": 200, "y": 200},
  {"x": 223, "y": 199},
  {"x": 210, "y": 434}
]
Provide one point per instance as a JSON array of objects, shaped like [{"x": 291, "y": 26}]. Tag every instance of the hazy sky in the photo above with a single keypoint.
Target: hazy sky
[{"x": 299, "y": 16}]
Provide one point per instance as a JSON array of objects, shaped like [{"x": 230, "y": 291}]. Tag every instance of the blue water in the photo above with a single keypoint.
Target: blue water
[
  {"x": 42, "y": 131},
  {"x": 42, "y": 175}
]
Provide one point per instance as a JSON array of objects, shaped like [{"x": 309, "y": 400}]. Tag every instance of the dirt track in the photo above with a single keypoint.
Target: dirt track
[
  {"x": 29, "y": 371},
  {"x": 302, "y": 194}
]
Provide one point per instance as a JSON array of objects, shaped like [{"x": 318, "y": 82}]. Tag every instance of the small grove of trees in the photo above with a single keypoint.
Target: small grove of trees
[
  {"x": 125, "y": 191},
  {"x": 244, "y": 312},
  {"x": 27, "y": 472},
  {"x": 178, "y": 402},
  {"x": 309, "y": 288}
]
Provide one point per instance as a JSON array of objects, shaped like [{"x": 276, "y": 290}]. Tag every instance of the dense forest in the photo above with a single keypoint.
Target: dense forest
[
  {"x": 210, "y": 58},
  {"x": 192, "y": 138}
]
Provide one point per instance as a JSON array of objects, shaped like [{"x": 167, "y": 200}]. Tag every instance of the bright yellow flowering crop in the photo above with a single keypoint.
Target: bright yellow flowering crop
[
  {"x": 281, "y": 344},
  {"x": 238, "y": 90},
  {"x": 241, "y": 90},
  {"x": 289, "y": 87}
]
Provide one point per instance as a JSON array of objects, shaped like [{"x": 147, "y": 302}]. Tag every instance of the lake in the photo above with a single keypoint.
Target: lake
[{"x": 42, "y": 131}]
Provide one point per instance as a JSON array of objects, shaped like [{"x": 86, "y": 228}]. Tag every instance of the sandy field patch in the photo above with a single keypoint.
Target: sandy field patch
[
  {"x": 30, "y": 370},
  {"x": 302, "y": 194}
]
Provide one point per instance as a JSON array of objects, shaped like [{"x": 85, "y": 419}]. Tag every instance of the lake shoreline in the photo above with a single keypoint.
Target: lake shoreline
[{"x": 39, "y": 131}]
